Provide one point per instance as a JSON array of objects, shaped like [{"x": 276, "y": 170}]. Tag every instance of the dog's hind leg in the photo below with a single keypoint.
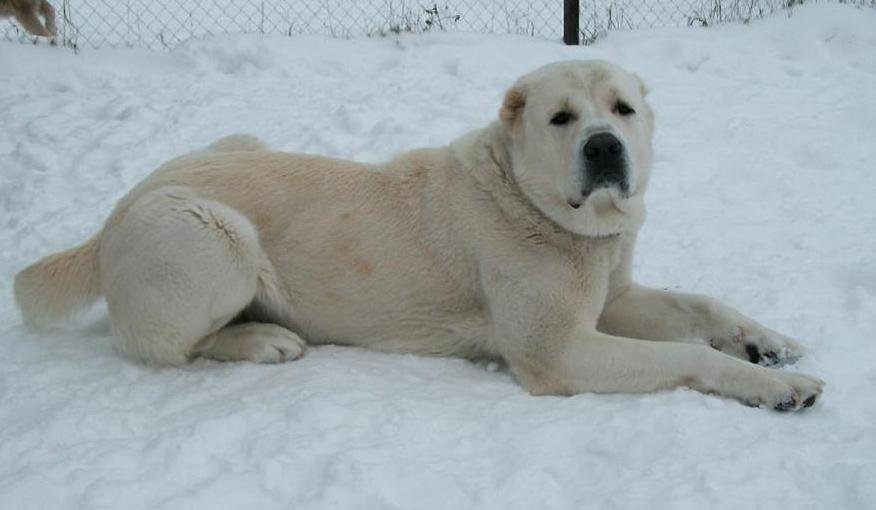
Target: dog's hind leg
[{"x": 177, "y": 269}]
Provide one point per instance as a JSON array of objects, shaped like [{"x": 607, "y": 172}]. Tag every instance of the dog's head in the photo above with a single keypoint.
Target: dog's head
[{"x": 580, "y": 135}]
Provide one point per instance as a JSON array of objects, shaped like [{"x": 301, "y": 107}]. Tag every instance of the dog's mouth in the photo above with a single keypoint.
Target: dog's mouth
[{"x": 601, "y": 198}]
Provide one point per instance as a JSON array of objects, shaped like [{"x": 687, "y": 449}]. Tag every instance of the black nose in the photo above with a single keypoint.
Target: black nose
[
  {"x": 603, "y": 147},
  {"x": 605, "y": 164}
]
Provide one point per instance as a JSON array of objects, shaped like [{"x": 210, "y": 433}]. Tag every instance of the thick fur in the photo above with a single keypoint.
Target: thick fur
[
  {"x": 59, "y": 285},
  {"x": 484, "y": 248},
  {"x": 27, "y": 13}
]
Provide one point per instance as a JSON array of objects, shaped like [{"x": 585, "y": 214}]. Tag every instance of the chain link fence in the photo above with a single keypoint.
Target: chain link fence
[{"x": 164, "y": 24}]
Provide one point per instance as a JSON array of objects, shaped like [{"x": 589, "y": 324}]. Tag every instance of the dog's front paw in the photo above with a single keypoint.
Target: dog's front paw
[
  {"x": 758, "y": 344},
  {"x": 787, "y": 391}
]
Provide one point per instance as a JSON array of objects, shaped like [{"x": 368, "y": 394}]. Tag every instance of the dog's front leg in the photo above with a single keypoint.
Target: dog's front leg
[
  {"x": 596, "y": 362},
  {"x": 652, "y": 314},
  {"x": 545, "y": 327}
]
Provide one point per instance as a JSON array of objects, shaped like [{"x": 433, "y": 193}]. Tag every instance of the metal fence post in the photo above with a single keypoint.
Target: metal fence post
[{"x": 570, "y": 22}]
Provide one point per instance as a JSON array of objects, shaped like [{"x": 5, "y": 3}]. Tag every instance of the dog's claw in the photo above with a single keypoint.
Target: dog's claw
[
  {"x": 784, "y": 406},
  {"x": 771, "y": 358}
]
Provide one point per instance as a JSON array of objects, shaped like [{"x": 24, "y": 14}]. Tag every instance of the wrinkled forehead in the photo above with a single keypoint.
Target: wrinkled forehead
[{"x": 578, "y": 83}]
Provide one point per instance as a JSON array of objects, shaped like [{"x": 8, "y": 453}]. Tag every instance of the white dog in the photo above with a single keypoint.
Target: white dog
[{"x": 514, "y": 242}]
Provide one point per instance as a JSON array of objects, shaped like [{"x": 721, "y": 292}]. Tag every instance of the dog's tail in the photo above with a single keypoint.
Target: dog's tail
[{"x": 56, "y": 287}]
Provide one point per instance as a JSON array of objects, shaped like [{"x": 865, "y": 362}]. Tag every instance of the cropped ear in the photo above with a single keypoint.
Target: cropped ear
[{"x": 512, "y": 107}]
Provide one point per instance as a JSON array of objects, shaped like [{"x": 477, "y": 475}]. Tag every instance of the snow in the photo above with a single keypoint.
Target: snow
[{"x": 762, "y": 195}]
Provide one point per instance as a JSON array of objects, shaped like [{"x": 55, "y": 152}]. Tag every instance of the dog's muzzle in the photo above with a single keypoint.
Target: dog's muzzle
[{"x": 605, "y": 164}]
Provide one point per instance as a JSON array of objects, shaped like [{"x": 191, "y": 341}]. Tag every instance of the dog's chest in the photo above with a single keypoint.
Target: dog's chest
[{"x": 591, "y": 263}]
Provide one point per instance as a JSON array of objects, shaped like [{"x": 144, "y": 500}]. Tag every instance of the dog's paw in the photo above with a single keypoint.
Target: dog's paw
[
  {"x": 787, "y": 391},
  {"x": 757, "y": 344},
  {"x": 255, "y": 342},
  {"x": 277, "y": 346}
]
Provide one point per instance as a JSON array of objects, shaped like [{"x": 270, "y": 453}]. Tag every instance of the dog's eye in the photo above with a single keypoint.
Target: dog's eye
[
  {"x": 623, "y": 109},
  {"x": 561, "y": 118}
]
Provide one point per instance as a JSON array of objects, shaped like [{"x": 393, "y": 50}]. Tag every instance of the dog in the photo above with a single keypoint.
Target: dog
[
  {"x": 515, "y": 242},
  {"x": 25, "y": 12}
]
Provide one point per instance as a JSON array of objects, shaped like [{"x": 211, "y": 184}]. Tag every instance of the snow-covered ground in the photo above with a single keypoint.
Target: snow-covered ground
[{"x": 763, "y": 194}]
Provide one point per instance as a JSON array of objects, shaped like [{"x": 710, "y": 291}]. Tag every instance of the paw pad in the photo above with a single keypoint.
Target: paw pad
[
  {"x": 787, "y": 405},
  {"x": 753, "y": 353}
]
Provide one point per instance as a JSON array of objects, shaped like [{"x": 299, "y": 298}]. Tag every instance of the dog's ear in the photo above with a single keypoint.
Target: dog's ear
[{"x": 512, "y": 107}]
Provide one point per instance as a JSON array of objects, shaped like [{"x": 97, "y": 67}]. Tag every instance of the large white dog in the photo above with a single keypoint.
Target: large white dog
[{"x": 514, "y": 242}]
